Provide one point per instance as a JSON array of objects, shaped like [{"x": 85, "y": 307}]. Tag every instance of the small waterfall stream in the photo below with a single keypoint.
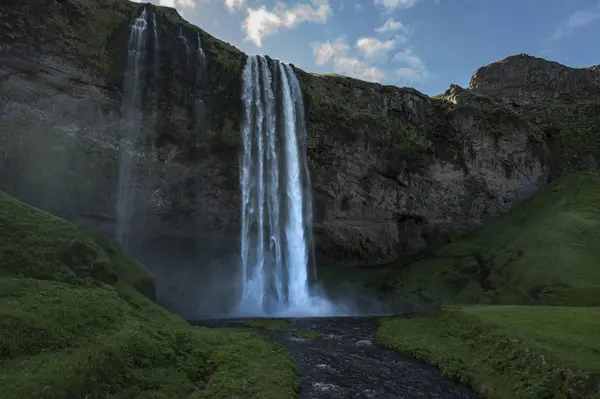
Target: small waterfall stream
[{"x": 132, "y": 125}]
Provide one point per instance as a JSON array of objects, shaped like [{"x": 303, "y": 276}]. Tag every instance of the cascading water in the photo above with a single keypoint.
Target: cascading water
[
  {"x": 276, "y": 246},
  {"x": 156, "y": 57},
  {"x": 132, "y": 123},
  {"x": 200, "y": 72},
  {"x": 185, "y": 43},
  {"x": 200, "y": 52}
]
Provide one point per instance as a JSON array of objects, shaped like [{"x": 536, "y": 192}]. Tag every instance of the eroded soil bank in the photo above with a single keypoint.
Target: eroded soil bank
[{"x": 342, "y": 362}]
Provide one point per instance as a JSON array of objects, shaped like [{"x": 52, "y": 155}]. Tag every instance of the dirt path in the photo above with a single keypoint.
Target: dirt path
[{"x": 344, "y": 363}]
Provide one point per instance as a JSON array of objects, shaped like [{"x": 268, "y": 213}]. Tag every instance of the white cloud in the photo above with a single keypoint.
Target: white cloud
[
  {"x": 373, "y": 48},
  {"x": 180, "y": 5},
  {"x": 234, "y": 5},
  {"x": 582, "y": 18},
  {"x": 400, "y": 39},
  {"x": 409, "y": 75},
  {"x": 326, "y": 52},
  {"x": 393, "y": 4},
  {"x": 576, "y": 20},
  {"x": 261, "y": 22},
  {"x": 391, "y": 25},
  {"x": 336, "y": 53},
  {"x": 407, "y": 56},
  {"x": 414, "y": 69}
]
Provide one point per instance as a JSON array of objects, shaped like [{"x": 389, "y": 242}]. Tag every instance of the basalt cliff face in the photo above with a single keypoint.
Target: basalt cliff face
[{"x": 393, "y": 171}]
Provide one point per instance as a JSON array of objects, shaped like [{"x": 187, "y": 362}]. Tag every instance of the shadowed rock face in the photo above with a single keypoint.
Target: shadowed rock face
[{"x": 393, "y": 171}]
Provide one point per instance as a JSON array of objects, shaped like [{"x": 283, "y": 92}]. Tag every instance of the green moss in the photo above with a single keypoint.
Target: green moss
[
  {"x": 306, "y": 334},
  {"x": 406, "y": 136},
  {"x": 71, "y": 325},
  {"x": 336, "y": 109},
  {"x": 571, "y": 131},
  {"x": 230, "y": 135},
  {"x": 506, "y": 352},
  {"x": 543, "y": 251},
  {"x": 220, "y": 89},
  {"x": 269, "y": 324},
  {"x": 35, "y": 244},
  {"x": 78, "y": 30}
]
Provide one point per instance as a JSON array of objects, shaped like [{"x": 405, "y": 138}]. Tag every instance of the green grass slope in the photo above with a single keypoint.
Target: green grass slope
[
  {"x": 507, "y": 352},
  {"x": 73, "y": 325},
  {"x": 544, "y": 251}
]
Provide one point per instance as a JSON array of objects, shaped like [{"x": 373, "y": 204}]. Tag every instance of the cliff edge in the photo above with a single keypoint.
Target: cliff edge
[{"x": 394, "y": 171}]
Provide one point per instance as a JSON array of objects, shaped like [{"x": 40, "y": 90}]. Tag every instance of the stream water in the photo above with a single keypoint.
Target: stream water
[{"x": 344, "y": 362}]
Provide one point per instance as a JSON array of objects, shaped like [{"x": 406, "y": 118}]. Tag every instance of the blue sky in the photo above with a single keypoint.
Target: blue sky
[{"x": 426, "y": 44}]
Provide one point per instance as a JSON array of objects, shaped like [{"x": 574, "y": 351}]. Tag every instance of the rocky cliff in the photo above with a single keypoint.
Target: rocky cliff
[{"x": 394, "y": 171}]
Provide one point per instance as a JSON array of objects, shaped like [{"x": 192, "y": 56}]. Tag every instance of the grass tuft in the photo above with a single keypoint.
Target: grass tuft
[
  {"x": 269, "y": 324},
  {"x": 306, "y": 334}
]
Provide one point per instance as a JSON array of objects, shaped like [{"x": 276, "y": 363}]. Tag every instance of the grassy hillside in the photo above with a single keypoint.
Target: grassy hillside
[
  {"x": 507, "y": 351},
  {"x": 73, "y": 325},
  {"x": 544, "y": 251}
]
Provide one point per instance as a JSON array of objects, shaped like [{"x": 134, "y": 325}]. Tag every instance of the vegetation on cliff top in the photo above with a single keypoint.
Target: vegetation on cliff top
[
  {"x": 506, "y": 351},
  {"x": 543, "y": 251},
  {"x": 72, "y": 325}
]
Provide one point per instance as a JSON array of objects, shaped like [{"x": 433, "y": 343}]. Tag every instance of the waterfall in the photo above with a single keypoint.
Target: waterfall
[
  {"x": 200, "y": 72},
  {"x": 307, "y": 204},
  {"x": 201, "y": 55},
  {"x": 277, "y": 261},
  {"x": 185, "y": 43},
  {"x": 132, "y": 125},
  {"x": 156, "y": 65}
]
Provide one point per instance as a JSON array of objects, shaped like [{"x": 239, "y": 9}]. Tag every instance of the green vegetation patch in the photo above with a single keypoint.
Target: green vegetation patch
[
  {"x": 269, "y": 324},
  {"x": 76, "y": 29},
  {"x": 36, "y": 244},
  {"x": 506, "y": 351},
  {"x": 543, "y": 251},
  {"x": 572, "y": 131},
  {"x": 72, "y": 325},
  {"x": 306, "y": 334}
]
